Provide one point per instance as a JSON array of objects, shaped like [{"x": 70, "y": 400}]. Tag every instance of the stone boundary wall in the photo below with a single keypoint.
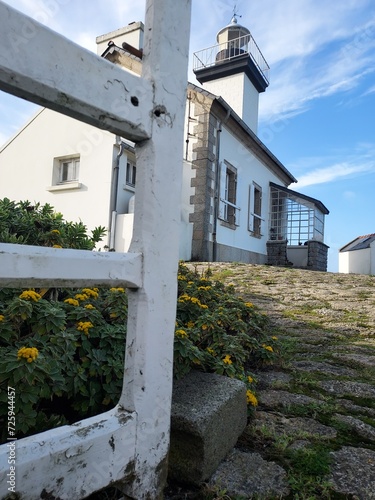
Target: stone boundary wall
[
  {"x": 277, "y": 254},
  {"x": 317, "y": 255}
]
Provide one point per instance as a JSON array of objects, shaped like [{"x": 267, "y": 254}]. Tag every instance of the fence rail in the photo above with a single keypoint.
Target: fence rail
[{"x": 128, "y": 445}]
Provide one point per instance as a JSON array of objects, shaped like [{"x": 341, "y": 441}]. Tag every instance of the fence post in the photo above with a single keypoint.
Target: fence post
[{"x": 152, "y": 308}]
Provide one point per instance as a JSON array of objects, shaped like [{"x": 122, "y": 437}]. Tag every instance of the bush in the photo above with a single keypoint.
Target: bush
[
  {"x": 27, "y": 224},
  {"x": 63, "y": 349}
]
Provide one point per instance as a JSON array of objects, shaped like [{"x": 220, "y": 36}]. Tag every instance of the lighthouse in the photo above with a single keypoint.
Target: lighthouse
[{"x": 234, "y": 69}]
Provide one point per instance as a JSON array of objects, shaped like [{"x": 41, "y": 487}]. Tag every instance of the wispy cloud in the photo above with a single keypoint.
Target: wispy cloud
[
  {"x": 329, "y": 169},
  {"x": 370, "y": 90},
  {"x": 333, "y": 173},
  {"x": 321, "y": 57}
]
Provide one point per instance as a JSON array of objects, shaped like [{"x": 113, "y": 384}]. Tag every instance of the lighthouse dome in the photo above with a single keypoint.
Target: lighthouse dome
[{"x": 233, "y": 31}]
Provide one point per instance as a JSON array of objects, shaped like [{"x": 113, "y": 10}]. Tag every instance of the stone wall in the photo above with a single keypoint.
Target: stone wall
[
  {"x": 203, "y": 162},
  {"x": 277, "y": 253},
  {"x": 317, "y": 255}
]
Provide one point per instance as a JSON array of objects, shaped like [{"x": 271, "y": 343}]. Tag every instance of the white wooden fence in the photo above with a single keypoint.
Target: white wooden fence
[{"x": 128, "y": 444}]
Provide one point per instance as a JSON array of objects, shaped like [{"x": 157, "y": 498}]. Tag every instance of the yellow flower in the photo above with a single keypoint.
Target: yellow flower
[
  {"x": 181, "y": 333},
  {"x": 190, "y": 324},
  {"x": 84, "y": 326},
  {"x": 1, "y": 318},
  {"x": 72, "y": 302},
  {"x": 81, "y": 296},
  {"x": 29, "y": 353},
  {"x": 89, "y": 306},
  {"x": 211, "y": 351},
  {"x": 267, "y": 347},
  {"x": 250, "y": 379},
  {"x": 30, "y": 295},
  {"x": 251, "y": 399},
  {"x": 249, "y": 304},
  {"x": 204, "y": 327},
  {"x": 56, "y": 231},
  {"x": 113, "y": 315},
  {"x": 203, "y": 306},
  {"x": 119, "y": 290},
  {"x": 180, "y": 277},
  {"x": 227, "y": 360},
  {"x": 90, "y": 293},
  {"x": 274, "y": 337},
  {"x": 56, "y": 246}
]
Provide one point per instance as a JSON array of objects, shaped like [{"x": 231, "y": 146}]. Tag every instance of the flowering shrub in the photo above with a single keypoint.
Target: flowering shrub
[
  {"x": 27, "y": 224},
  {"x": 63, "y": 349},
  {"x": 221, "y": 332}
]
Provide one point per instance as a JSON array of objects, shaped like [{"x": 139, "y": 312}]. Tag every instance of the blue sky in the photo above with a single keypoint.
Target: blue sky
[{"x": 318, "y": 114}]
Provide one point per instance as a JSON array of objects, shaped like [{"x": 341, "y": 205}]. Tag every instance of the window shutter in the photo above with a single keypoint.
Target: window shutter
[
  {"x": 222, "y": 180},
  {"x": 251, "y": 203}
]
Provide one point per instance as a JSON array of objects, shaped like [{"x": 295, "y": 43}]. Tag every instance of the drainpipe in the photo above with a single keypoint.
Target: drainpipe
[
  {"x": 114, "y": 191},
  {"x": 217, "y": 188}
]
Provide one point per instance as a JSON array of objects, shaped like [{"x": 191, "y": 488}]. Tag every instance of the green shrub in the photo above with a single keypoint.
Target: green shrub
[
  {"x": 63, "y": 349},
  {"x": 27, "y": 224}
]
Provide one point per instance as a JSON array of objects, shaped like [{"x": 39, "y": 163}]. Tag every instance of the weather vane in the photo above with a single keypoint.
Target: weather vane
[{"x": 235, "y": 12}]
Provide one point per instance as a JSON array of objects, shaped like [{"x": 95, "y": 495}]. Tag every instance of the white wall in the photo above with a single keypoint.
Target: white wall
[
  {"x": 124, "y": 222},
  {"x": 249, "y": 170},
  {"x": 124, "y": 232},
  {"x": 355, "y": 261},
  {"x": 240, "y": 94},
  {"x": 26, "y": 167},
  {"x": 372, "y": 258},
  {"x": 344, "y": 262},
  {"x": 298, "y": 255}
]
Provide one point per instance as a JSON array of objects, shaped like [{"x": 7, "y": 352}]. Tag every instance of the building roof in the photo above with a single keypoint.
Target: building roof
[
  {"x": 318, "y": 204},
  {"x": 359, "y": 243},
  {"x": 258, "y": 147}
]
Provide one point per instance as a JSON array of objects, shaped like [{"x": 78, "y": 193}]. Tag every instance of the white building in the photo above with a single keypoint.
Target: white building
[
  {"x": 236, "y": 201},
  {"x": 358, "y": 256}
]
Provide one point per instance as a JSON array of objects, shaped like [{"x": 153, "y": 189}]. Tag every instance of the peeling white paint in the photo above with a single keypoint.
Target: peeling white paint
[{"x": 130, "y": 443}]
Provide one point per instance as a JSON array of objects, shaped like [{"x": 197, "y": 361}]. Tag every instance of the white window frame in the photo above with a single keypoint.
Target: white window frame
[{"x": 75, "y": 164}]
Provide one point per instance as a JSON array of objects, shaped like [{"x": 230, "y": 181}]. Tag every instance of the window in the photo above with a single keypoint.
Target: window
[
  {"x": 295, "y": 217},
  {"x": 65, "y": 173},
  {"x": 255, "y": 209},
  {"x": 131, "y": 171},
  {"x": 68, "y": 170},
  {"x": 228, "y": 210}
]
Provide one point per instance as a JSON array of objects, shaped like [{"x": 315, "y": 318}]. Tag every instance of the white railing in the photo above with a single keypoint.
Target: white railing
[
  {"x": 222, "y": 52},
  {"x": 129, "y": 444}
]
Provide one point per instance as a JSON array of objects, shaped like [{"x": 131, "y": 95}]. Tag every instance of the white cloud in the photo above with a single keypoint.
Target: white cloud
[
  {"x": 349, "y": 195},
  {"x": 333, "y": 173},
  {"x": 343, "y": 165},
  {"x": 322, "y": 56},
  {"x": 315, "y": 48},
  {"x": 370, "y": 90}
]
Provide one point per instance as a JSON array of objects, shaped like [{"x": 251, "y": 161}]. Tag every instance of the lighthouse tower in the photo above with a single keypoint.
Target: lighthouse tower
[{"x": 234, "y": 69}]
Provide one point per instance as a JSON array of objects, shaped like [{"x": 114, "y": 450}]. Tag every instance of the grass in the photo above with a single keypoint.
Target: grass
[{"x": 315, "y": 316}]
